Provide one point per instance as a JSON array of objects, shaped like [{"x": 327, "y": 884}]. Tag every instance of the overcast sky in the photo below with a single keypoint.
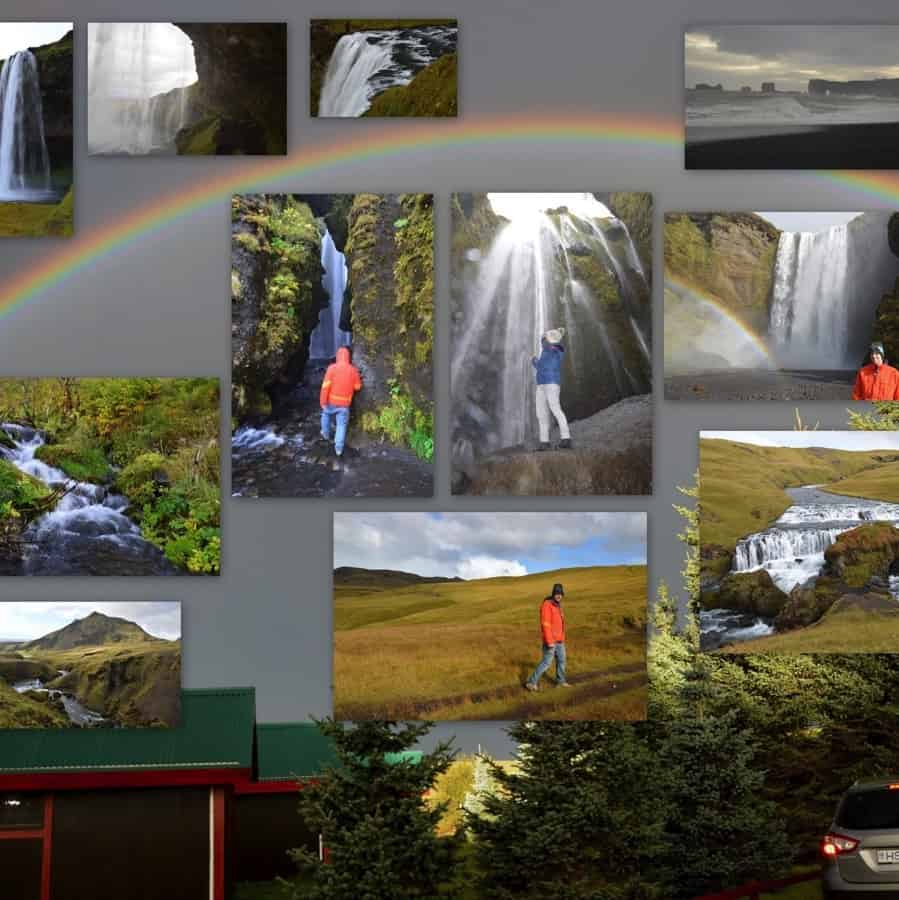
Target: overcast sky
[
  {"x": 789, "y": 55},
  {"x": 22, "y": 35},
  {"x": 834, "y": 440},
  {"x": 484, "y": 545},
  {"x": 27, "y": 621},
  {"x": 807, "y": 221}
]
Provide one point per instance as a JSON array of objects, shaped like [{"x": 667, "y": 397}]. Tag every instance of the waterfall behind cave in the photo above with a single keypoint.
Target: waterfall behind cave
[
  {"x": 139, "y": 74},
  {"x": 327, "y": 336},
  {"x": 541, "y": 272},
  {"x": 827, "y": 285},
  {"x": 24, "y": 161}
]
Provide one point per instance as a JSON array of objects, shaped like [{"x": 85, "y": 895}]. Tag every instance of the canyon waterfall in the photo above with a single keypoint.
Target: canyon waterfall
[{"x": 327, "y": 336}]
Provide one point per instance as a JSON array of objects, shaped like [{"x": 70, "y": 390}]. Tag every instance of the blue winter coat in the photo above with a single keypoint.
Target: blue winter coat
[{"x": 549, "y": 364}]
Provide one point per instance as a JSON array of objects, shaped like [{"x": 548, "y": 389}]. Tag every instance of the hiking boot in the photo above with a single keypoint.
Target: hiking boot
[
  {"x": 565, "y": 444},
  {"x": 530, "y": 686},
  {"x": 544, "y": 445},
  {"x": 563, "y": 684}
]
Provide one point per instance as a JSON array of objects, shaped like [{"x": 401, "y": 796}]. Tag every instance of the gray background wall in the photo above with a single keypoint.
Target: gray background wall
[{"x": 160, "y": 305}]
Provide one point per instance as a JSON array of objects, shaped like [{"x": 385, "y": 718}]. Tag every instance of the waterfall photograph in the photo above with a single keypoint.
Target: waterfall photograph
[
  {"x": 109, "y": 476},
  {"x": 455, "y": 616},
  {"x": 184, "y": 88},
  {"x": 781, "y": 305},
  {"x": 90, "y": 665},
  {"x": 332, "y": 338},
  {"x": 799, "y": 541},
  {"x": 36, "y": 195},
  {"x": 383, "y": 67},
  {"x": 551, "y": 318},
  {"x": 791, "y": 96}
]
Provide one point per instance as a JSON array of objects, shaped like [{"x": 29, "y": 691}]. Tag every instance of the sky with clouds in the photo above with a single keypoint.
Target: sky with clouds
[
  {"x": 833, "y": 440},
  {"x": 27, "y": 621},
  {"x": 15, "y": 36},
  {"x": 485, "y": 545},
  {"x": 789, "y": 55}
]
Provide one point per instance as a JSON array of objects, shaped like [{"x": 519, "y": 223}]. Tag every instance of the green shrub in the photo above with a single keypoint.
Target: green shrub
[
  {"x": 402, "y": 422},
  {"x": 140, "y": 479}
]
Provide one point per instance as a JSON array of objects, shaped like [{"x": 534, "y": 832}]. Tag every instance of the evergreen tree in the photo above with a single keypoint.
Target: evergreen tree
[
  {"x": 884, "y": 418},
  {"x": 380, "y": 834},
  {"x": 579, "y": 818}
]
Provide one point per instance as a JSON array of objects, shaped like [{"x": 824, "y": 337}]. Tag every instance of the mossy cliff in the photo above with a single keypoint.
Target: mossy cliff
[
  {"x": 634, "y": 208},
  {"x": 390, "y": 263},
  {"x": 886, "y": 318},
  {"x": 239, "y": 103},
  {"x": 729, "y": 256},
  {"x": 54, "y": 66},
  {"x": 276, "y": 295},
  {"x": 22, "y": 500},
  {"x": 432, "y": 92}
]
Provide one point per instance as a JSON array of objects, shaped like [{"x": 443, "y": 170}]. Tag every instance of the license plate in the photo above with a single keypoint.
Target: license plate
[{"x": 888, "y": 856}]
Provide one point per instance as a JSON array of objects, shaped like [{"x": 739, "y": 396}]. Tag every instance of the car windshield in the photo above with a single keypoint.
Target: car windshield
[{"x": 870, "y": 809}]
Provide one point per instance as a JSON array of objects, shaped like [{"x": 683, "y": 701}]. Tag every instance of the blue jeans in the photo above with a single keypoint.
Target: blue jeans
[
  {"x": 557, "y": 651},
  {"x": 343, "y": 420}
]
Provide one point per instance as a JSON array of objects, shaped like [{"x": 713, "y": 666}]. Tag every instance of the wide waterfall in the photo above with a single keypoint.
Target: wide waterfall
[
  {"x": 561, "y": 260},
  {"x": 827, "y": 286},
  {"x": 24, "y": 162},
  {"x": 365, "y": 63},
  {"x": 328, "y": 335},
  {"x": 138, "y": 79}
]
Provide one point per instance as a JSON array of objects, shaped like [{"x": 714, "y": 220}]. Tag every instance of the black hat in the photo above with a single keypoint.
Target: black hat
[{"x": 557, "y": 589}]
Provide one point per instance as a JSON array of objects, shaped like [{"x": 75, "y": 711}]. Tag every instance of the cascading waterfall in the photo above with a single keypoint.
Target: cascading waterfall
[
  {"x": 24, "y": 161},
  {"x": 826, "y": 288},
  {"x": 328, "y": 335},
  {"x": 532, "y": 278},
  {"x": 365, "y": 63},
  {"x": 138, "y": 79}
]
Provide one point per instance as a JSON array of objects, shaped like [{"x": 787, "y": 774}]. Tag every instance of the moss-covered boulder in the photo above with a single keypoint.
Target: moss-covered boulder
[
  {"x": 752, "y": 592},
  {"x": 276, "y": 296},
  {"x": 862, "y": 553},
  {"x": 432, "y": 92},
  {"x": 80, "y": 463}
]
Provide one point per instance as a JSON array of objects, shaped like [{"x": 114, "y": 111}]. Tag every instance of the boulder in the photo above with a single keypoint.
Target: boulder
[
  {"x": 752, "y": 592},
  {"x": 863, "y": 552}
]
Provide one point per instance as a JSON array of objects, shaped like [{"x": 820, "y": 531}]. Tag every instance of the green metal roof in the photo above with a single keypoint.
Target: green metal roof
[
  {"x": 216, "y": 731},
  {"x": 289, "y": 750}
]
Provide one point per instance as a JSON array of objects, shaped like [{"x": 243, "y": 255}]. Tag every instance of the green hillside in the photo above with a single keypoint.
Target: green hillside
[{"x": 461, "y": 650}]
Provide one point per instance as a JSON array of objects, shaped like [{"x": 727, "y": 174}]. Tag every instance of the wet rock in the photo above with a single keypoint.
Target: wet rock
[{"x": 752, "y": 592}]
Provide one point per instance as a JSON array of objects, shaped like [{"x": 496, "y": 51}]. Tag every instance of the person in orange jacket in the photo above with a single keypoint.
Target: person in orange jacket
[
  {"x": 339, "y": 386},
  {"x": 552, "y": 633},
  {"x": 876, "y": 380}
]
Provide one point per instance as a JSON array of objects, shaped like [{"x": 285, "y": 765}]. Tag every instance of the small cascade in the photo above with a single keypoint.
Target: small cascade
[
  {"x": 24, "y": 161},
  {"x": 327, "y": 336},
  {"x": 365, "y": 63}
]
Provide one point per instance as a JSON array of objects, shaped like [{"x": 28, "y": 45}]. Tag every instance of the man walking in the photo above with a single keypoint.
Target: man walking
[
  {"x": 876, "y": 380},
  {"x": 549, "y": 377},
  {"x": 552, "y": 632},
  {"x": 339, "y": 386}
]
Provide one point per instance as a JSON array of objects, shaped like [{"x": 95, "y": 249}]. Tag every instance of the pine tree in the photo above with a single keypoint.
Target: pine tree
[
  {"x": 884, "y": 418},
  {"x": 692, "y": 563},
  {"x": 380, "y": 834},
  {"x": 577, "y": 819}
]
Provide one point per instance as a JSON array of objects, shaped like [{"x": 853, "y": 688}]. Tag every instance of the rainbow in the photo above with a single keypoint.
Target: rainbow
[{"x": 566, "y": 128}]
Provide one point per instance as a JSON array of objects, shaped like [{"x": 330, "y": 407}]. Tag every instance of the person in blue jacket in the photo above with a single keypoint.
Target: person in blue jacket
[{"x": 548, "y": 368}]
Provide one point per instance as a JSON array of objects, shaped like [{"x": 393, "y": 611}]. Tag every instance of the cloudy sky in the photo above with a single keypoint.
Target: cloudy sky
[
  {"x": 22, "y": 35},
  {"x": 484, "y": 545},
  {"x": 807, "y": 221},
  {"x": 789, "y": 55},
  {"x": 833, "y": 440},
  {"x": 27, "y": 621}
]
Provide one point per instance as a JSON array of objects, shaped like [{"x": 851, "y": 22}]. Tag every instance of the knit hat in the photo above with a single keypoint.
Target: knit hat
[
  {"x": 557, "y": 589},
  {"x": 555, "y": 335},
  {"x": 877, "y": 347}
]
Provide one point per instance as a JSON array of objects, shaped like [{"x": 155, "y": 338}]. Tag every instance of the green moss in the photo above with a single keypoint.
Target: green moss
[
  {"x": 634, "y": 208},
  {"x": 432, "y": 92},
  {"x": 78, "y": 462},
  {"x": 863, "y": 552},
  {"x": 235, "y": 285},
  {"x": 141, "y": 479},
  {"x": 37, "y": 219},
  {"x": 201, "y": 138},
  {"x": 686, "y": 251},
  {"x": 18, "y": 492}
]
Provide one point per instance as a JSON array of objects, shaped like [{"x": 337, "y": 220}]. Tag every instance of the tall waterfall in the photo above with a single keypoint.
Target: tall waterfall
[
  {"x": 365, "y": 63},
  {"x": 541, "y": 272},
  {"x": 328, "y": 335},
  {"x": 24, "y": 162},
  {"x": 826, "y": 288},
  {"x": 138, "y": 79}
]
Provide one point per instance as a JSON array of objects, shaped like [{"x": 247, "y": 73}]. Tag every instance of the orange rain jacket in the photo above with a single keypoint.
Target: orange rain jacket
[
  {"x": 873, "y": 383},
  {"x": 341, "y": 382},
  {"x": 552, "y": 622}
]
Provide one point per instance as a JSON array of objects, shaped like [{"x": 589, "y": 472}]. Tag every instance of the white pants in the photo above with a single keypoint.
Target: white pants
[{"x": 548, "y": 402}]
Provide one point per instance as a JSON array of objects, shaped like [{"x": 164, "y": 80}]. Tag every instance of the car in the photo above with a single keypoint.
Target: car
[{"x": 861, "y": 847}]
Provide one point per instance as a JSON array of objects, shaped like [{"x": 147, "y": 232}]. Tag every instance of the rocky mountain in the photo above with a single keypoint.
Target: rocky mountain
[{"x": 94, "y": 630}]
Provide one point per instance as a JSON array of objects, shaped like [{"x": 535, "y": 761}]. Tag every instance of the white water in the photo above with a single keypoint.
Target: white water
[
  {"x": 365, "y": 63},
  {"x": 138, "y": 73},
  {"x": 249, "y": 438},
  {"x": 24, "y": 162},
  {"x": 327, "y": 336},
  {"x": 526, "y": 284},
  {"x": 723, "y": 626},
  {"x": 77, "y": 712}
]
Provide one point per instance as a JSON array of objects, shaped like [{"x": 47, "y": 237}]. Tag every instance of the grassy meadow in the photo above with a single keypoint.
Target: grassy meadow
[{"x": 461, "y": 650}]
